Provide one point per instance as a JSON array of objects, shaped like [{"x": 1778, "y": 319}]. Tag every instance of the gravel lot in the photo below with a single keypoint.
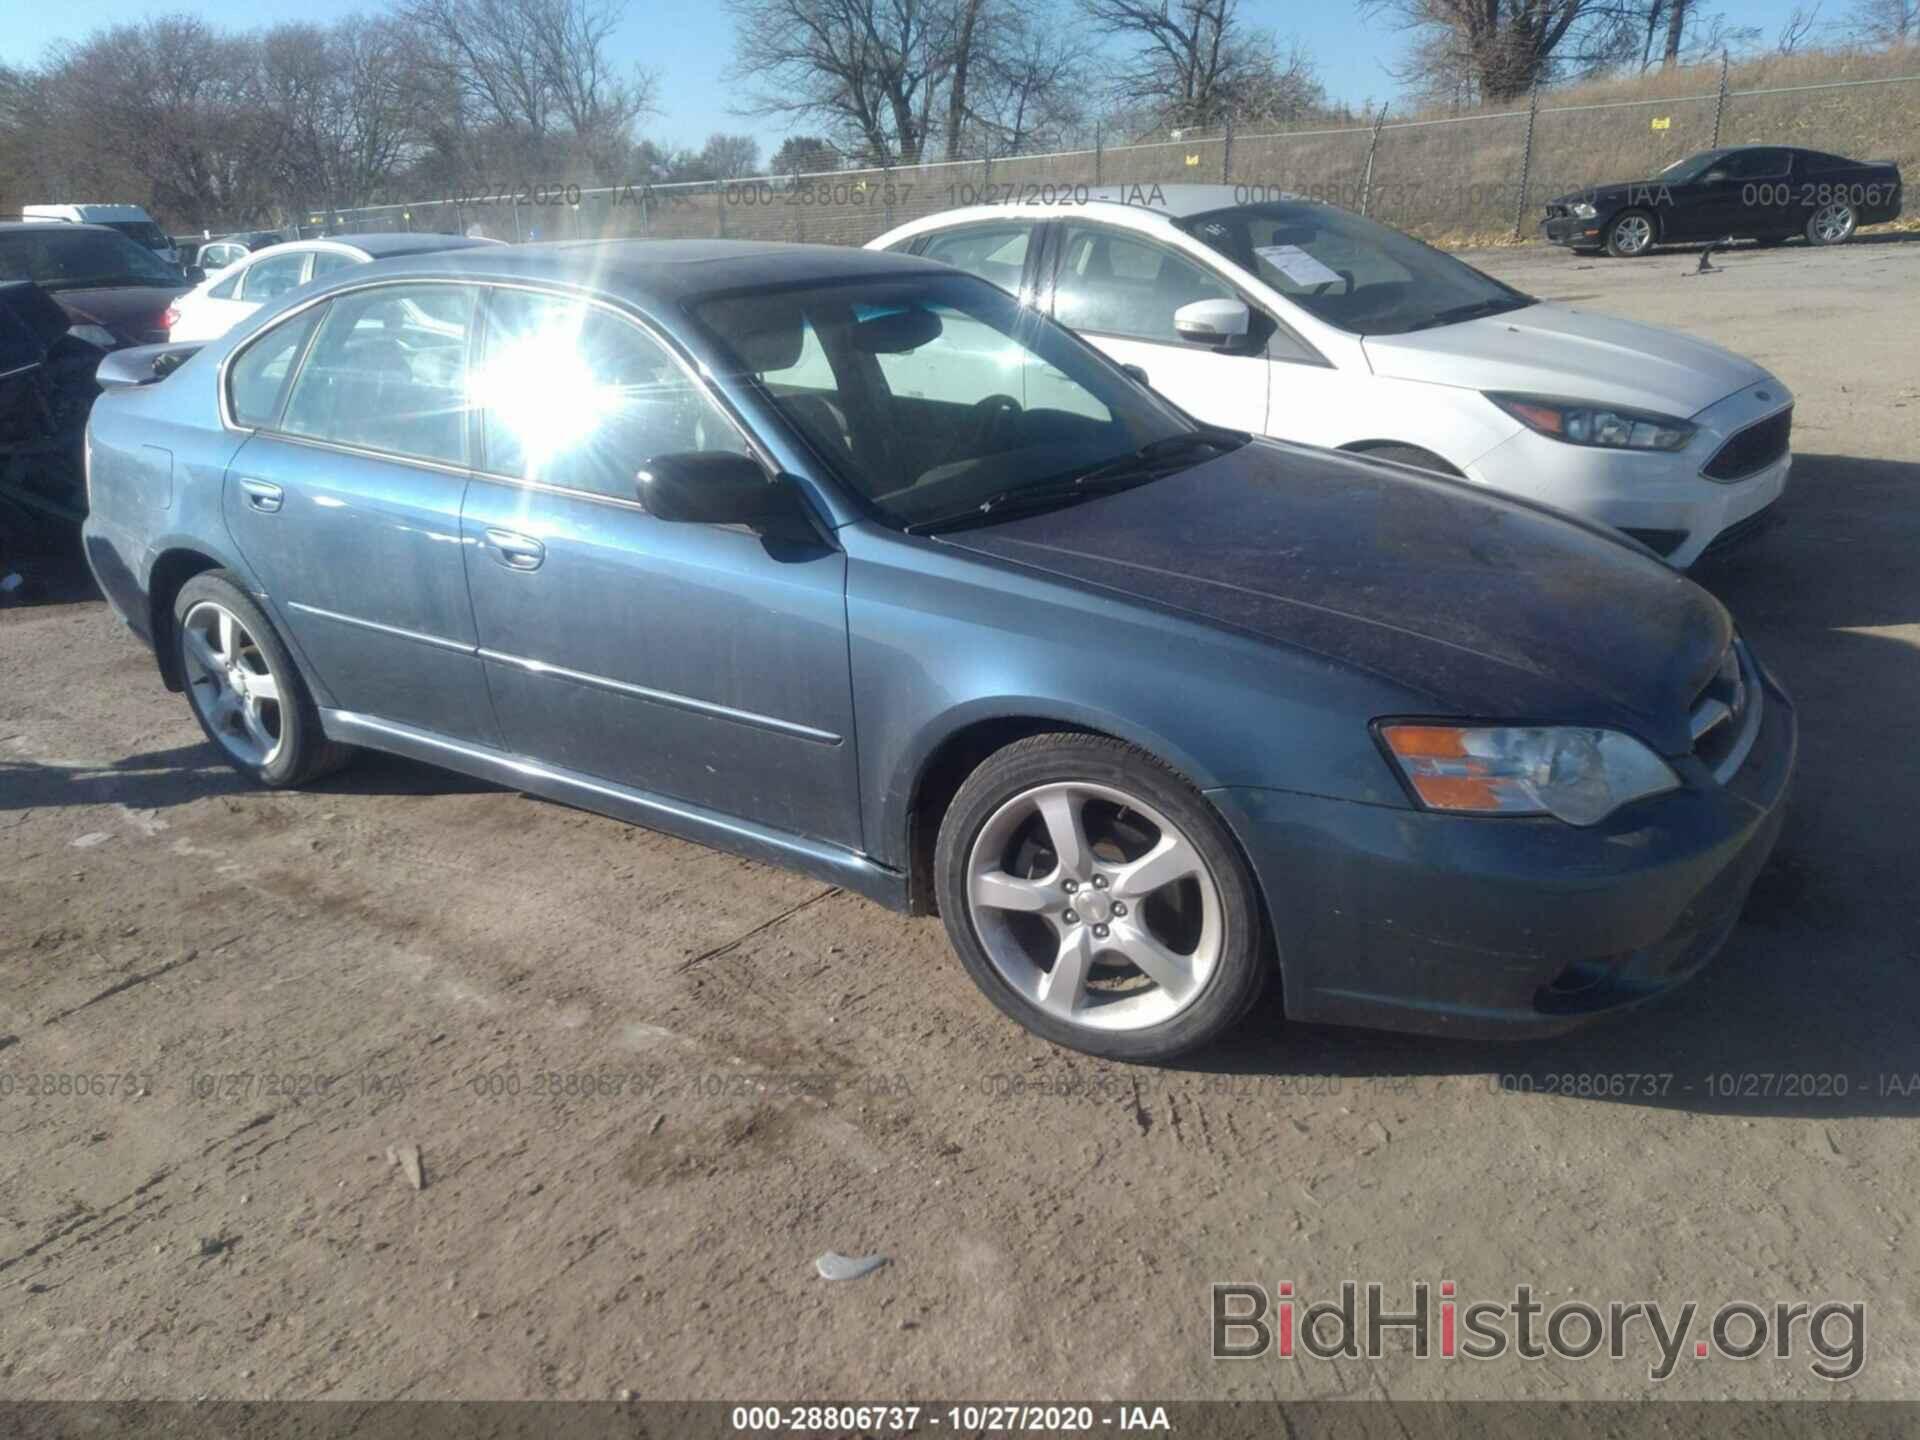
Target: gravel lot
[{"x": 779, "y": 1069}]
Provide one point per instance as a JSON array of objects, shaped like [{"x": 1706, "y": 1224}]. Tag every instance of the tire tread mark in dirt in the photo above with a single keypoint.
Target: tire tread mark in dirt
[
  {"x": 765, "y": 925},
  {"x": 138, "y": 978},
  {"x": 1141, "y": 1115}
]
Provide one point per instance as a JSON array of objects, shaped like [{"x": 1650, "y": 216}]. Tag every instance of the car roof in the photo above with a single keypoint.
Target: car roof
[
  {"x": 41, "y": 227},
  {"x": 382, "y": 243},
  {"x": 672, "y": 271}
]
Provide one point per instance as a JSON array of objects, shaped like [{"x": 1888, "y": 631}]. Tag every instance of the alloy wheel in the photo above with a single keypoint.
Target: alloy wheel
[
  {"x": 1633, "y": 234},
  {"x": 1094, "y": 906},
  {"x": 1833, "y": 223},
  {"x": 231, "y": 684}
]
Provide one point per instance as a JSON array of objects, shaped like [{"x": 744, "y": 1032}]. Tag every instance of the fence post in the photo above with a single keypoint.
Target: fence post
[
  {"x": 1366, "y": 186},
  {"x": 515, "y": 201},
  {"x": 1720, "y": 102},
  {"x": 1226, "y": 151},
  {"x": 886, "y": 191},
  {"x": 1526, "y": 161},
  {"x": 720, "y": 209},
  {"x": 1099, "y": 150}
]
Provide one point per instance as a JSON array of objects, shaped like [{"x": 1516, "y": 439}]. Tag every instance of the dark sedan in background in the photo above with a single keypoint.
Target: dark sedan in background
[
  {"x": 849, "y": 561},
  {"x": 1768, "y": 193},
  {"x": 115, "y": 292}
]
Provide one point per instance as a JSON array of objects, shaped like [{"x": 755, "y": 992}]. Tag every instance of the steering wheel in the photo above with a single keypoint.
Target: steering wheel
[{"x": 993, "y": 419}]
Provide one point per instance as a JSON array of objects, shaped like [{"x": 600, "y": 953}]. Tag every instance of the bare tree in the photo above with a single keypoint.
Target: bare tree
[
  {"x": 866, "y": 69},
  {"x": 536, "y": 71},
  {"x": 1891, "y": 23},
  {"x": 1798, "y": 28},
  {"x": 1508, "y": 45},
  {"x": 1194, "y": 63}
]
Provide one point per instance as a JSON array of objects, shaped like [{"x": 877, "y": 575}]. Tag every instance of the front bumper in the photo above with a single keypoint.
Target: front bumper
[
  {"x": 1404, "y": 919},
  {"x": 1661, "y": 498},
  {"x": 1571, "y": 230}
]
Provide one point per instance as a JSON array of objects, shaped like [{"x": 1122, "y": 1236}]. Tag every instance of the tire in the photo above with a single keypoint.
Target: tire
[
  {"x": 1832, "y": 224},
  {"x": 1195, "y": 919},
  {"x": 1409, "y": 455},
  {"x": 1630, "y": 234},
  {"x": 269, "y": 730}
]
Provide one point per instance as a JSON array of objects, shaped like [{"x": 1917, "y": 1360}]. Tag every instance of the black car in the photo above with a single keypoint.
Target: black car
[
  {"x": 1768, "y": 193},
  {"x": 113, "y": 291}
]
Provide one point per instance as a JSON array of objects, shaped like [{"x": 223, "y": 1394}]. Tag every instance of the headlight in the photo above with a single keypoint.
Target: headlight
[
  {"x": 93, "y": 335},
  {"x": 1577, "y": 775},
  {"x": 1582, "y": 210},
  {"x": 1607, "y": 426}
]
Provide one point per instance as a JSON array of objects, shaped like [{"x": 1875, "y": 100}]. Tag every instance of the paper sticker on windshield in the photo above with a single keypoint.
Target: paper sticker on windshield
[{"x": 1296, "y": 264}]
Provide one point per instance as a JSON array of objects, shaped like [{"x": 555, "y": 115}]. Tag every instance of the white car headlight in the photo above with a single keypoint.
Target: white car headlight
[
  {"x": 1578, "y": 775},
  {"x": 1582, "y": 210},
  {"x": 1610, "y": 427},
  {"x": 93, "y": 335}
]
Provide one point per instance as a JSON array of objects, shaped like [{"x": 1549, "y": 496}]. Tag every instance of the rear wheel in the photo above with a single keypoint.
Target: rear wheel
[
  {"x": 1098, "y": 899},
  {"x": 244, "y": 689},
  {"x": 1831, "y": 224},
  {"x": 1630, "y": 234}
]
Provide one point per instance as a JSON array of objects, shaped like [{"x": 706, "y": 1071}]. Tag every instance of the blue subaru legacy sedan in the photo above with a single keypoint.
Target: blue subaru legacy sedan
[{"x": 845, "y": 561}]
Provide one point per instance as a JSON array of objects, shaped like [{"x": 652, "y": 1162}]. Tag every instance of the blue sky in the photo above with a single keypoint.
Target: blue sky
[{"x": 688, "y": 44}]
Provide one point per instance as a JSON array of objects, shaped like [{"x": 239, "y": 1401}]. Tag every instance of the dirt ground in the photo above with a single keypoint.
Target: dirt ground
[{"x": 648, "y": 1083}]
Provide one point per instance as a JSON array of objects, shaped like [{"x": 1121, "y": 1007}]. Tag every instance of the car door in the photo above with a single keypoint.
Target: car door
[
  {"x": 345, "y": 499},
  {"x": 704, "y": 663},
  {"x": 1120, "y": 291}
]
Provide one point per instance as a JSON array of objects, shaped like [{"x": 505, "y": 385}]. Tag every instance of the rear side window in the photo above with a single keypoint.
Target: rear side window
[
  {"x": 993, "y": 252},
  {"x": 325, "y": 262},
  {"x": 257, "y": 378},
  {"x": 388, "y": 371},
  {"x": 271, "y": 278},
  {"x": 229, "y": 287}
]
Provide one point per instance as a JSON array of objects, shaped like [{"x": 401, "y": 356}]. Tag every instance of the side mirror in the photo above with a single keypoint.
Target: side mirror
[
  {"x": 1138, "y": 372},
  {"x": 1215, "y": 323},
  {"x": 195, "y": 274},
  {"x": 713, "y": 487}
]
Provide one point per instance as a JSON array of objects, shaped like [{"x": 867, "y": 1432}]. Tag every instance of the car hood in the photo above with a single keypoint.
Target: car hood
[
  {"x": 1555, "y": 350},
  {"x": 1476, "y": 604},
  {"x": 131, "y": 312}
]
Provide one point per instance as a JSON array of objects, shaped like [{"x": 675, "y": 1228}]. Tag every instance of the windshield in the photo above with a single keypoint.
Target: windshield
[
  {"x": 142, "y": 232},
  {"x": 1692, "y": 167},
  {"x": 1350, "y": 272},
  {"x": 937, "y": 395},
  {"x": 63, "y": 257}
]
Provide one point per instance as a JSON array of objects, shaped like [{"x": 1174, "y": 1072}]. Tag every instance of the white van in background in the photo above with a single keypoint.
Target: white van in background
[{"x": 130, "y": 220}]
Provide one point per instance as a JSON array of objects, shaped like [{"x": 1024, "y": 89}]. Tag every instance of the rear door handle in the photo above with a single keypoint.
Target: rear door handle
[
  {"x": 263, "y": 495},
  {"x": 514, "y": 550}
]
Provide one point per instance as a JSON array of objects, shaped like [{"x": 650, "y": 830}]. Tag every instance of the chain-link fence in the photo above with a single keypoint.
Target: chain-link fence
[{"x": 1477, "y": 177}]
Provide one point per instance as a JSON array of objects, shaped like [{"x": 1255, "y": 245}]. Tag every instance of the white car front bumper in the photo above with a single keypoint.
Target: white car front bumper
[{"x": 1664, "y": 499}]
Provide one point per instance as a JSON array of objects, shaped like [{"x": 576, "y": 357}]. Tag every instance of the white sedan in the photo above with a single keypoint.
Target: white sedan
[
  {"x": 1296, "y": 319},
  {"x": 222, "y": 300}
]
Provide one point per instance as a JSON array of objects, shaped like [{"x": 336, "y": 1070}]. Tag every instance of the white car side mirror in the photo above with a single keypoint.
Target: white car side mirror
[{"x": 1215, "y": 323}]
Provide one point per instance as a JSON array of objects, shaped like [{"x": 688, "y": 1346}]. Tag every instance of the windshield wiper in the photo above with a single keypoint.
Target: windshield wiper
[
  {"x": 1473, "y": 310},
  {"x": 1149, "y": 462}
]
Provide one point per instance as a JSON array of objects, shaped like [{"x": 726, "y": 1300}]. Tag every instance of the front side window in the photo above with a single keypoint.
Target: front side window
[
  {"x": 1757, "y": 165},
  {"x": 1114, "y": 284},
  {"x": 948, "y": 399},
  {"x": 257, "y": 378},
  {"x": 387, "y": 372},
  {"x": 575, "y": 396},
  {"x": 1349, "y": 272},
  {"x": 272, "y": 277},
  {"x": 993, "y": 252}
]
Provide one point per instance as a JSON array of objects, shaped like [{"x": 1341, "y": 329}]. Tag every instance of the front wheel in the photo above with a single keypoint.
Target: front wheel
[
  {"x": 1099, "y": 900},
  {"x": 244, "y": 689},
  {"x": 1630, "y": 234},
  {"x": 1831, "y": 224}
]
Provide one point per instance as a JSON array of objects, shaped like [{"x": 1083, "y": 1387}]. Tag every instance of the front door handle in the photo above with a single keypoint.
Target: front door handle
[
  {"x": 263, "y": 495},
  {"x": 514, "y": 550}
]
